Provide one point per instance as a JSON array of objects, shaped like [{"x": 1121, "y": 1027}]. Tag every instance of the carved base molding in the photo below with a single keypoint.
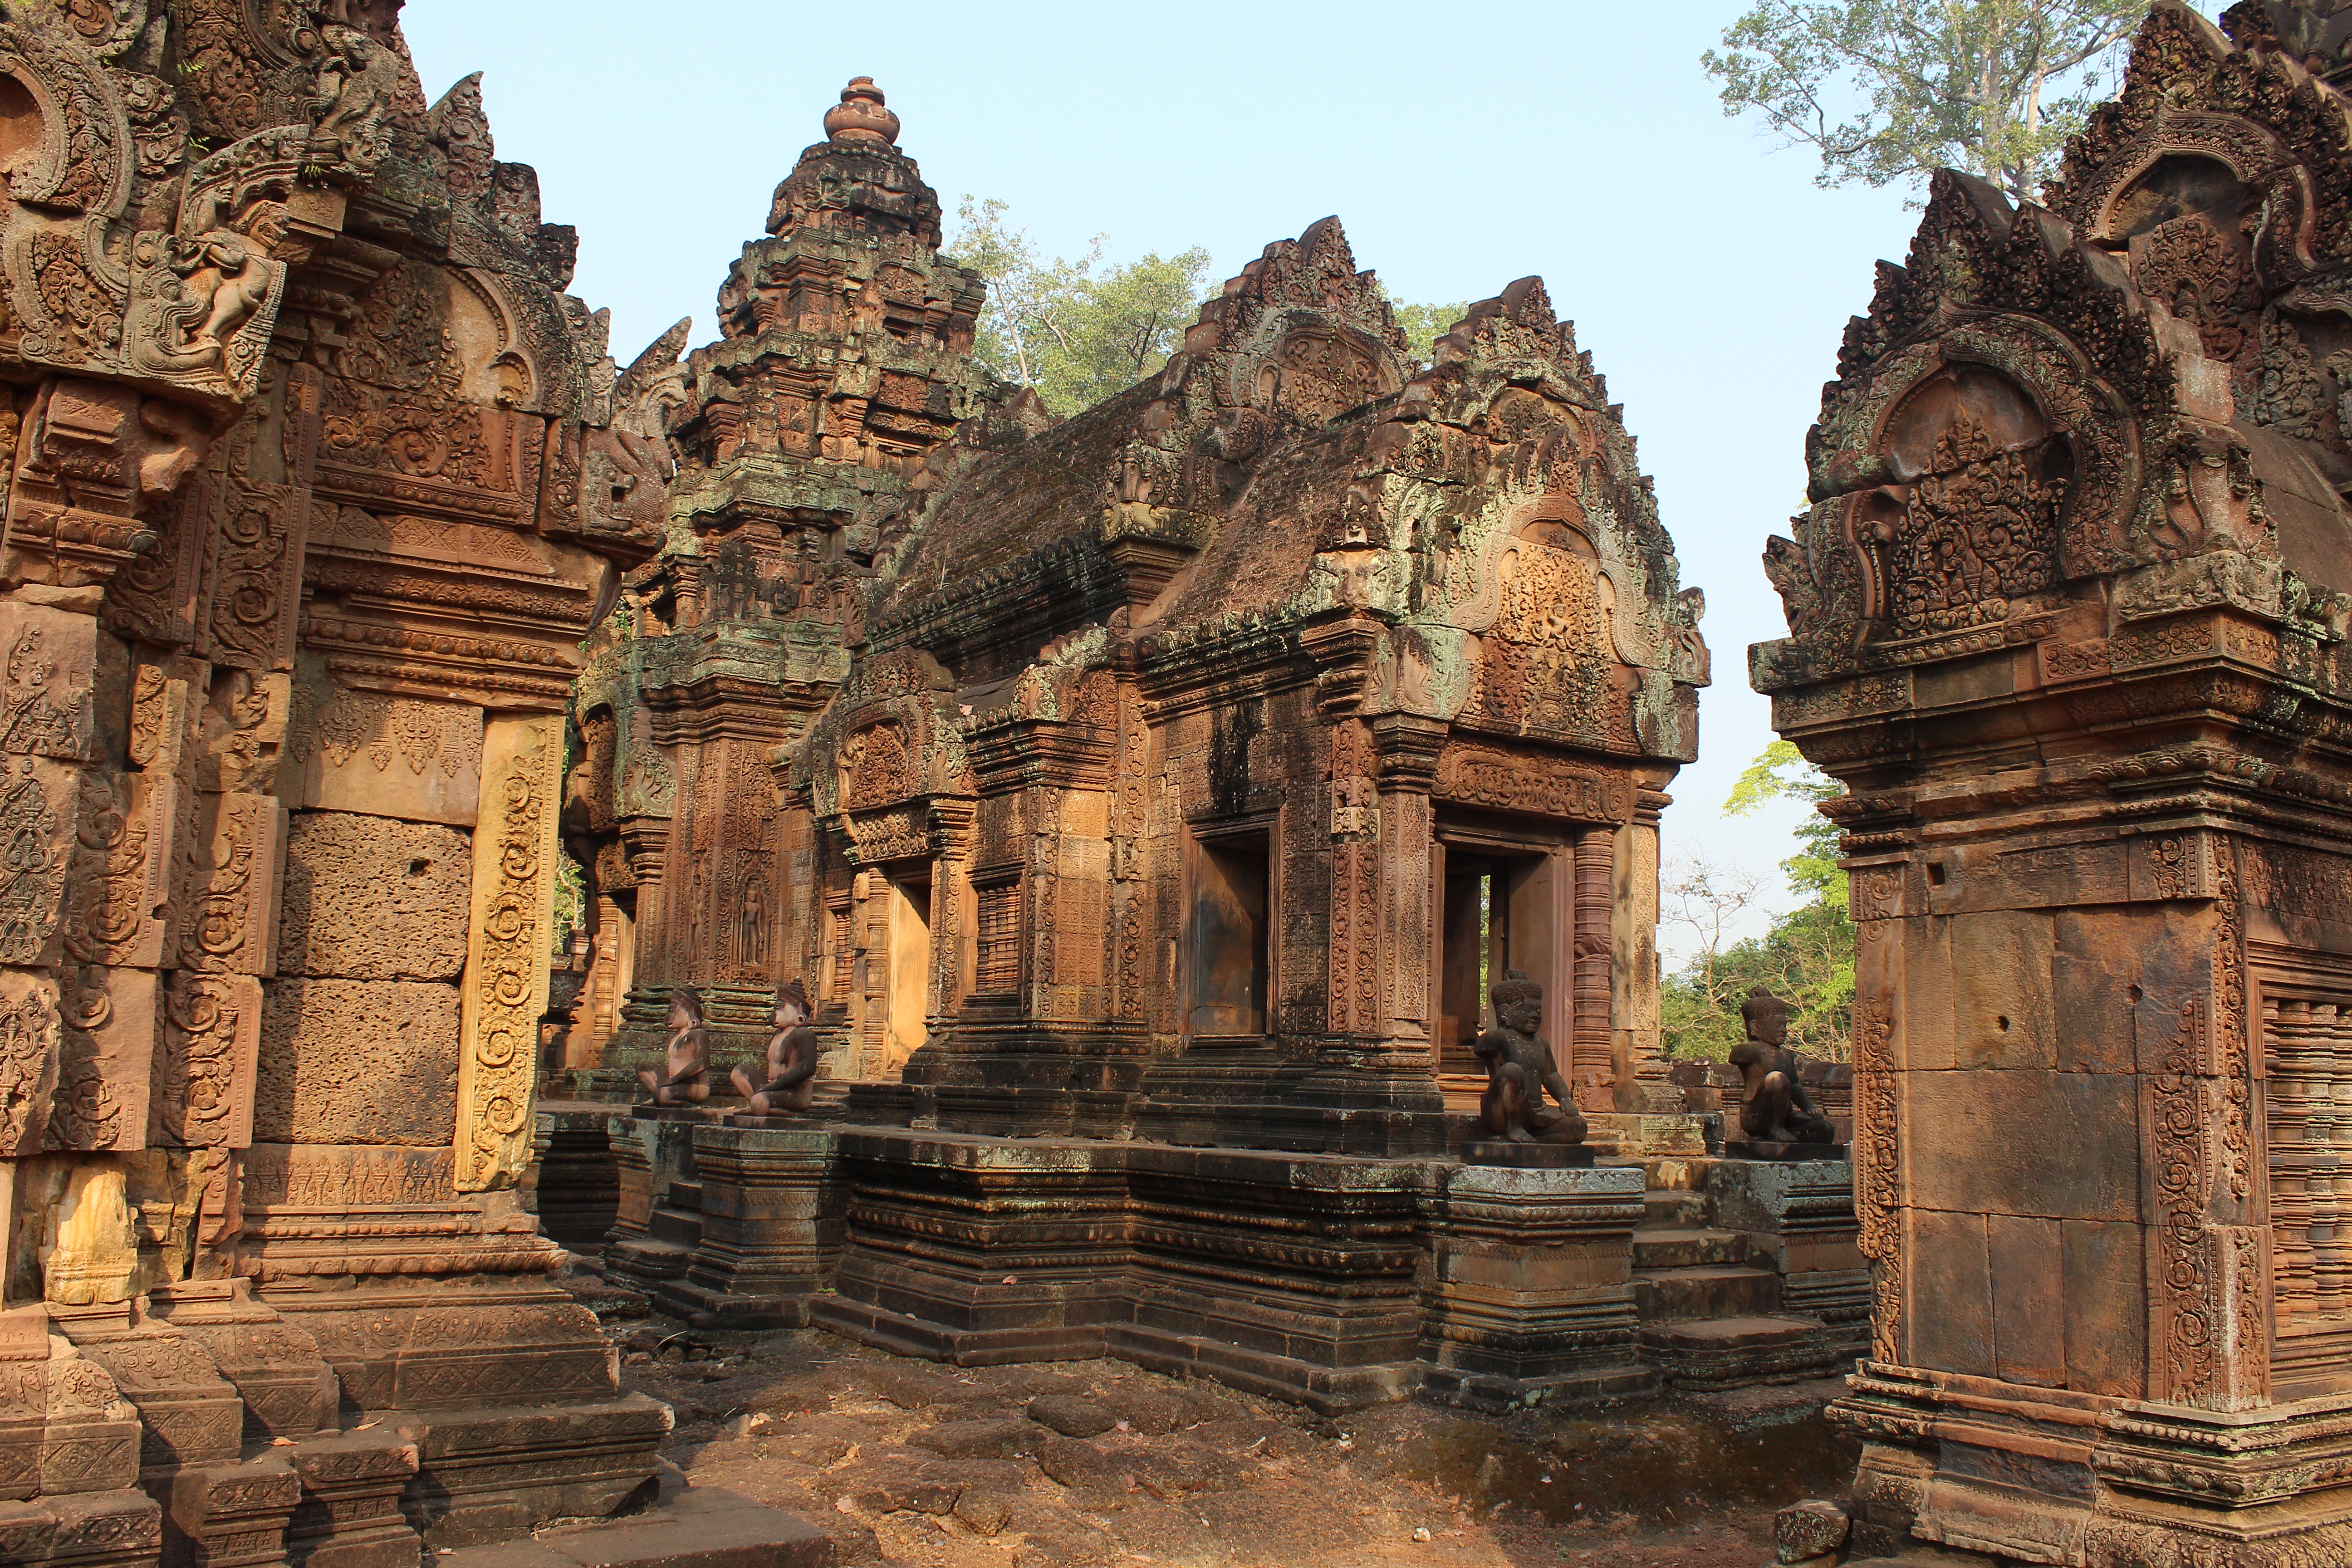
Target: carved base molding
[
  {"x": 2038, "y": 1475},
  {"x": 1302, "y": 1277}
]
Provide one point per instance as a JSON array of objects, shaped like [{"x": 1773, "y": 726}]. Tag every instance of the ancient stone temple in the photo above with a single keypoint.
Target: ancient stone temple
[
  {"x": 1205, "y": 744},
  {"x": 312, "y": 489},
  {"x": 2069, "y": 617},
  {"x": 1147, "y": 801}
]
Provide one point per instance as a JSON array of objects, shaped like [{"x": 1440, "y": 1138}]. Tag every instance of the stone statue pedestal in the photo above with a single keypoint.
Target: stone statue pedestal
[
  {"x": 1502, "y": 1153},
  {"x": 1780, "y": 1154},
  {"x": 1533, "y": 1300},
  {"x": 771, "y": 1222},
  {"x": 703, "y": 1110}
]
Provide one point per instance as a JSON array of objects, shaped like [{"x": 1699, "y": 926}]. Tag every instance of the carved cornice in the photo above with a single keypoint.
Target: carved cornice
[{"x": 1021, "y": 752}]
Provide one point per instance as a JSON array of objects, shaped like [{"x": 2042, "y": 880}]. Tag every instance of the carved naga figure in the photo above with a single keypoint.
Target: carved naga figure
[
  {"x": 792, "y": 1058},
  {"x": 688, "y": 1079}
]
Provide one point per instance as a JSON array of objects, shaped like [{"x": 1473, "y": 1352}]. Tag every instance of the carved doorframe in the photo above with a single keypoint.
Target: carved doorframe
[{"x": 1554, "y": 844}]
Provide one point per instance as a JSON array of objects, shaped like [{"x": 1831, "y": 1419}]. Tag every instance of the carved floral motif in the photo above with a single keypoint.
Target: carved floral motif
[
  {"x": 32, "y": 871},
  {"x": 506, "y": 969},
  {"x": 28, "y": 1048},
  {"x": 212, "y": 1041}
]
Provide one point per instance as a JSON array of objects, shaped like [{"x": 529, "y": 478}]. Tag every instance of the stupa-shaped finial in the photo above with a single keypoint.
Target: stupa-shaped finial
[{"x": 859, "y": 116}]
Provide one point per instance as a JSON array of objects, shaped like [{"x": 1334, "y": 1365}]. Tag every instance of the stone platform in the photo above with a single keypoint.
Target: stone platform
[
  {"x": 1527, "y": 1157},
  {"x": 1780, "y": 1153},
  {"x": 1329, "y": 1280}
]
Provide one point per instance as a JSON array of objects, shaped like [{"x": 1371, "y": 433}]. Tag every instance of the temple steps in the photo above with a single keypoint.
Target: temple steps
[
  {"x": 1669, "y": 1295},
  {"x": 1673, "y": 1209},
  {"x": 1707, "y": 1318},
  {"x": 1687, "y": 1247},
  {"x": 647, "y": 1262},
  {"x": 1727, "y": 1352}
]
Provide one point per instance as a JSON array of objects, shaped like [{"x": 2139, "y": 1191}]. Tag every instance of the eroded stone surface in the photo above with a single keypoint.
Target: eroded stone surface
[
  {"x": 357, "y": 1061},
  {"x": 368, "y": 898}
]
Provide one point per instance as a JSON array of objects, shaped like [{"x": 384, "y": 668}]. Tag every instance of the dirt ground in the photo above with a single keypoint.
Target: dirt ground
[{"x": 1039, "y": 1466}]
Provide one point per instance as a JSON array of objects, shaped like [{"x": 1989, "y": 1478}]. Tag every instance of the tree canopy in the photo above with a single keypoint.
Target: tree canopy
[
  {"x": 1806, "y": 957},
  {"x": 1077, "y": 330},
  {"x": 1423, "y": 325},
  {"x": 1887, "y": 91}
]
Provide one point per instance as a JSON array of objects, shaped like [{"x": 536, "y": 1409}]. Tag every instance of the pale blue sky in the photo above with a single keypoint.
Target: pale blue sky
[{"x": 1464, "y": 144}]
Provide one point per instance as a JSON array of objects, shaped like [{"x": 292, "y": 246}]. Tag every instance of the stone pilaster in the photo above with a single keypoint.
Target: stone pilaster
[{"x": 508, "y": 934}]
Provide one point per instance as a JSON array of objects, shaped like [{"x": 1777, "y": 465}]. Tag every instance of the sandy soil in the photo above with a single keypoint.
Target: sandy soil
[{"x": 909, "y": 1462}]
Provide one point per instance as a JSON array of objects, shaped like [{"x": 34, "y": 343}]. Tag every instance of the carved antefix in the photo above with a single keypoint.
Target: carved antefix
[{"x": 506, "y": 961}]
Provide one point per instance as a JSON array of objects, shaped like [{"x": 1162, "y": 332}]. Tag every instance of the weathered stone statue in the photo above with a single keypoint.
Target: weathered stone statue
[
  {"x": 1519, "y": 1069},
  {"x": 688, "y": 1079},
  {"x": 1773, "y": 1105},
  {"x": 792, "y": 1058}
]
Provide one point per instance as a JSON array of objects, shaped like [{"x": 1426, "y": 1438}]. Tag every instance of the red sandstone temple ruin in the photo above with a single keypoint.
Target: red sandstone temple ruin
[{"x": 1148, "y": 803}]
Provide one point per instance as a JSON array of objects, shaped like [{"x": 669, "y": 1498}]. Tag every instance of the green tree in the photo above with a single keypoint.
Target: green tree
[
  {"x": 1424, "y": 324},
  {"x": 1889, "y": 90},
  {"x": 1805, "y": 957},
  {"x": 571, "y": 904},
  {"x": 1077, "y": 332}
]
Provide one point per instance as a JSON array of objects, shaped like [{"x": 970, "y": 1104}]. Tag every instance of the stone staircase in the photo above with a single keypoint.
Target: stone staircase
[
  {"x": 673, "y": 1230},
  {"x": 1711, "y": 1310}
]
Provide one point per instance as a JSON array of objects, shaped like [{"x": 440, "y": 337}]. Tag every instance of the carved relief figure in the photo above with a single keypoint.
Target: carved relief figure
[
  {"x": 689, "y": 1077},
  {"x": 206, "y": 290},
  {"x": 356, "y": 84},
  {"x": 1520, "y": 1071},
  {"x": 792, "y": 1058},
  {"x": 1773, "y": 1105}
]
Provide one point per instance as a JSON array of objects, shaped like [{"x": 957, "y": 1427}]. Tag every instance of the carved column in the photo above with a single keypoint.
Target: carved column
[
  {"x": 1356, "y": 984},
  {"x": 950, "y": 911},
  {"x": 1637, "y": 1057},
  {"x": 1130, "y": 824},
  {"x": 1409, "y": 749},
  {"x": 1591, "y": 1074}
]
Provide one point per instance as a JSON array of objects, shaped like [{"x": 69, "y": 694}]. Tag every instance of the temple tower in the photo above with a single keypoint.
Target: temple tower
[{"x": 843, "y": 363}]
